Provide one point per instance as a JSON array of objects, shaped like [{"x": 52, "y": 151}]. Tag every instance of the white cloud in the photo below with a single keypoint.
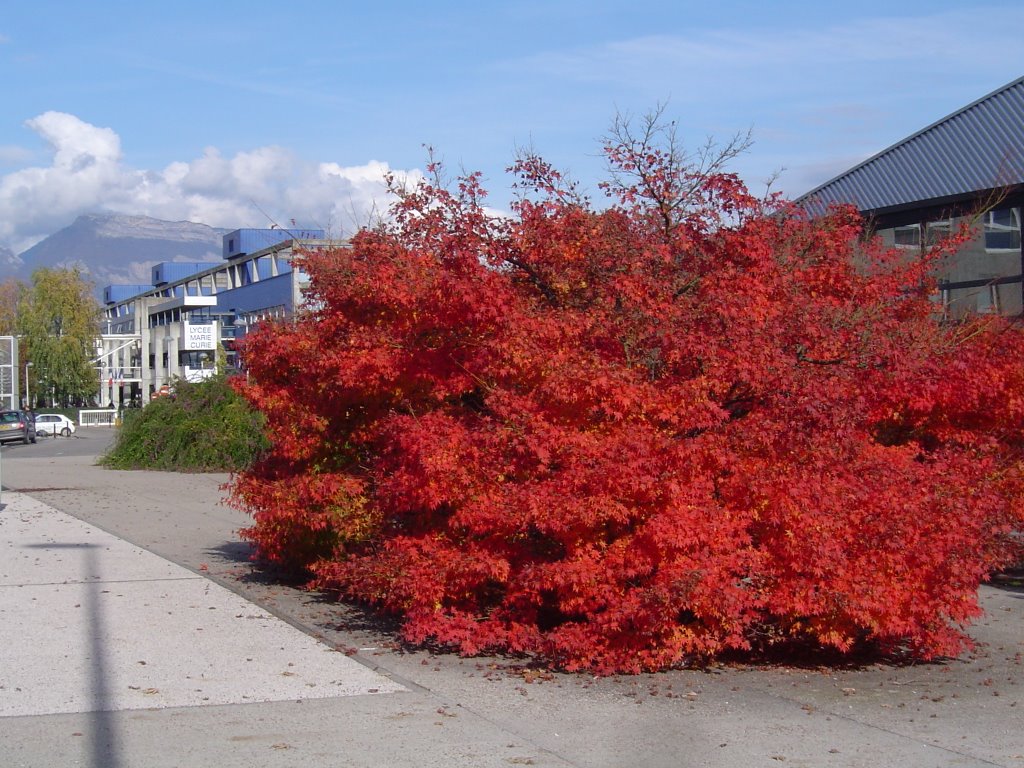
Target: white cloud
[
  {"x": 87, "y": 173},
  {"x": 14, "y": 155},
  {"x": 86, "y": 161},
  {"x": 790, "y": 58}
]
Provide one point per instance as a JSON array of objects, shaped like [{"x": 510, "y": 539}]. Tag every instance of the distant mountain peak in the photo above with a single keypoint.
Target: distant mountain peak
[
  {"x": 113, "y": 248},
  {"x": 117, "y": 225}
]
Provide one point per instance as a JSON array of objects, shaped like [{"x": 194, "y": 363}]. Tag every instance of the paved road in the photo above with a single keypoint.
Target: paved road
[{"x": 169, "y": 535}]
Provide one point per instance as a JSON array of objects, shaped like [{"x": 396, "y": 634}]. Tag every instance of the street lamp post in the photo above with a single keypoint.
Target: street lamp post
[{"x": 28, "y": 396}]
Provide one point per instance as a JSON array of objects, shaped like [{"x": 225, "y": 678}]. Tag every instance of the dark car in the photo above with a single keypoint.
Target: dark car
[{"x": 17, "y": 425}]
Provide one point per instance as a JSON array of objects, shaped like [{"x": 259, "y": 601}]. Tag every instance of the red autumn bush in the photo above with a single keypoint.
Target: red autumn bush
[{"x": 624, "y": 439}]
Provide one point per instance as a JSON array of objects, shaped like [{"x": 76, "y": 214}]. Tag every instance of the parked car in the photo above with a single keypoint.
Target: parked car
[
  {"x": 54, "y": 424},
  {"x": 17, "y": 425}
]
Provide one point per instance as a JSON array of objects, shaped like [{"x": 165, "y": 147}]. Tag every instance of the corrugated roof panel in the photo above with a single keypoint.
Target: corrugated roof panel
[
  {"x": 982, "y": 173},
  {"x": 1006, "y": 123},
  {"x": 976, "y": 148},
  {"x": 1002, "y": 123},
  {"x": 953, "y": 159},
  {"x": 911, "y": 171}
]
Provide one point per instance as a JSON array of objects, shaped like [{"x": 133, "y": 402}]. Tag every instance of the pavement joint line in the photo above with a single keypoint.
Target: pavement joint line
[
  {"x": 441, "y": 699},
  {"x": 235, "y": 589},
  {"x": 891, "y": 732},
  {"x": 98, "y": 581},
  {"x": 924, "y": 743},
  {"x": 167, "y": 583}
]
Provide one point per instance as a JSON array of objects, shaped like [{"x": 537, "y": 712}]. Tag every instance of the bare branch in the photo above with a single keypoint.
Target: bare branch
[{"x": 648, "y": 165}]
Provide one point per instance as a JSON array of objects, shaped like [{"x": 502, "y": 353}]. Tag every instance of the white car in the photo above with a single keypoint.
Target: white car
[{"x": 54, "y": 424}]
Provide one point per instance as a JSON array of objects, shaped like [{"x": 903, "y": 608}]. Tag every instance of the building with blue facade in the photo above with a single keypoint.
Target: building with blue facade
[{"x": 194, "y": 312}]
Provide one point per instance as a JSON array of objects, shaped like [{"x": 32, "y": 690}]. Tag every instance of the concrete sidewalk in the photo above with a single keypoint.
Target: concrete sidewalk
[
  {"x": 104, "y": 602},
  {"x": 90, "y": 622}
]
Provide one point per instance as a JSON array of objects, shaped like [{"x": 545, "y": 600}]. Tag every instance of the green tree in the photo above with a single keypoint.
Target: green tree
[
  {"x": 10, "y": 294},
  {"x": 58, "y": 319}
]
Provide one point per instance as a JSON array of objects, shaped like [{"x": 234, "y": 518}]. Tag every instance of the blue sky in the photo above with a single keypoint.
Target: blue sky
[{"x": 239, "y": 113}]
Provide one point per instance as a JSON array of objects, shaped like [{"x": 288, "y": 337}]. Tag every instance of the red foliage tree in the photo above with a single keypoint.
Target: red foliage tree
[{"x": 630, "y": 438}]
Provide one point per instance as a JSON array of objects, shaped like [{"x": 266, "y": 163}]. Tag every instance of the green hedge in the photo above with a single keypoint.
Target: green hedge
[{"x": 201, "y": 427}]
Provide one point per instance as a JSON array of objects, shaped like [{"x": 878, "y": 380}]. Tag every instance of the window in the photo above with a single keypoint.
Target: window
[
  {"x": 198, "y": 360},
  {"x": 987, "y": 301},
  {"x": 1002, "y": 230},
  {"x": 937, "y": 231},
  {"x": 907, "y": 237}
]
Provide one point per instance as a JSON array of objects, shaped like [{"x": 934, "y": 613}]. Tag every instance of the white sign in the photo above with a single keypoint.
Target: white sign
[{"x": 200, "y": 336}]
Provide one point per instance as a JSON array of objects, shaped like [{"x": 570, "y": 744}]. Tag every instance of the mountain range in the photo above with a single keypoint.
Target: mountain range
[{"x": 115, "y": 249}]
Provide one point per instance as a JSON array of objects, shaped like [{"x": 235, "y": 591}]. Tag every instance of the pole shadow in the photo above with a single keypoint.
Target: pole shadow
[{"x": 105, "y": 748}]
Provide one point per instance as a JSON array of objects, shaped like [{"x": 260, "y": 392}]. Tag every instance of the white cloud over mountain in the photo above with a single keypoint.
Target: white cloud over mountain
[{"x": 87, "y": 173}]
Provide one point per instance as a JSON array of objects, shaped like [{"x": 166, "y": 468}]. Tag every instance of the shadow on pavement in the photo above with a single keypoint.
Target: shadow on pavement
[
  {"x": 241, "y": 553},
  {"x": 105, "y": 747},
  {"x": 301, "y": 604},
  {"x": 1010, "y": 580}
]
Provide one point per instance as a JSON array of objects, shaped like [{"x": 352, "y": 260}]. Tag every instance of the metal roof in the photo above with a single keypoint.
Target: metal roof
[{"x": 977, "y": 148}]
